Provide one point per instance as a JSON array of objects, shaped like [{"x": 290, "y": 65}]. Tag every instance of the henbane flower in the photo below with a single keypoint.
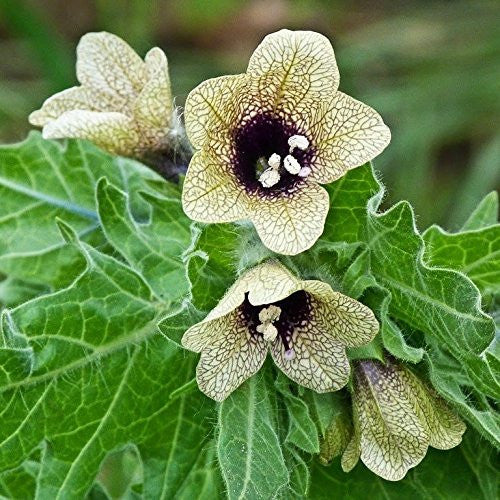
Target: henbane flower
[
  {"x": 267, "y": 138},
  {"x": 396, "y": 418},
  {"x": 304, "y": 324},
  {"x": 124, "y": 104}
]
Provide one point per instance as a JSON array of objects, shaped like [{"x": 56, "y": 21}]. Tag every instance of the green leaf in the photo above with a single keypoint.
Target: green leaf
[
  {"x": 324, "y": 408},
  {"x": 482, "y": 460},
  {"x": 219, "y": 252},
  {"x": 19, "y": 482},
  {"x": 119, "y": 472},
  {"x": 441, "y": 475},
  {"x": 349, "y": 196},
  {"x": 449, "y": 379},
  {"x": 302, "y": 431},
  {"x": 300, "y": 476},
  {"x": 484, "y": 215},
  {"x": 248, "y": 445},
  {"x": 337, "y": 436},
  {"x": 211, "y": 264},
  {"x": 475, "y": 253},
  {"x": 41, "y": 180},
  {"x": 443, "y": 304},
  {"x": 419, "y": 294},
  {"x": 155, "y": 247},
  {"x": 14, "y": 291},
  {"x": 203, "y": 480},
  {"x": 357, "y": 279},
  {"x": 88, "y": 373}
]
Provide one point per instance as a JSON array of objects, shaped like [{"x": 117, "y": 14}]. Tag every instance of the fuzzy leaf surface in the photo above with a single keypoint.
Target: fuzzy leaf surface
[
  {"x": 248, "y": 445},
  {"x": 475, "y": 253},
  {"x": 41, "y": 180},
  {"x": 86, "y": 371}
]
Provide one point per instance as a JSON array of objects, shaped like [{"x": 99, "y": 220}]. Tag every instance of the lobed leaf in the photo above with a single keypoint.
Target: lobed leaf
[
  {"x": 93, "y": 376},
  {"x": 475, "y": 253},
  {"x": 41, "y": 180},
  {"x": 155, "y": 247}
]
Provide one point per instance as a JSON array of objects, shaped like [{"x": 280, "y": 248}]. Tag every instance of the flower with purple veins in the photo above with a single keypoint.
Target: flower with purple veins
[{"x": 305, "y": 325}]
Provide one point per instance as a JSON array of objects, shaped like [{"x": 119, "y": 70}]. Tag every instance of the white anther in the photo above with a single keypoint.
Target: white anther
[
  {"x": 267, "y": 316},
  {"x": 291, "y": 164},
  {"x": 274, "y": 161},
  {"x": 269, "y": 332},
  {"x": 269, "y": 177},
  {"x": 304, "y": 172},
  {"x": 298, "y": 141},
  {"x": 289, "y": 354}
]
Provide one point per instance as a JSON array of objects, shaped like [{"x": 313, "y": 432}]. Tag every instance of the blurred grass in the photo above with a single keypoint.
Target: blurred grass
[{"x": 430, "y": 68}]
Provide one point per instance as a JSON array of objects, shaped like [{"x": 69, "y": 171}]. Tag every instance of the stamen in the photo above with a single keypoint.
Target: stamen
[
  {"x": 269, "y": 177},
  {"x": 267, "y": 316},
  {"x": 291, "y": 164},
  {"x": 269, "y": 332},
  {"x": 274, "y": 161},
  {"x": 298, "y": 141}
]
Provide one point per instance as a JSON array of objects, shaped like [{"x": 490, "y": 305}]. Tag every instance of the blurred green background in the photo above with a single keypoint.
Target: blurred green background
[{"x": 432, "y": 69}]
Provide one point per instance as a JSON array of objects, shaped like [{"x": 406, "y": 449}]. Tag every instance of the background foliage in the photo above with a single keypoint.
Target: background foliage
[
  {"x": 430, "y": 68},
  {"x": 98, "y": 397}
]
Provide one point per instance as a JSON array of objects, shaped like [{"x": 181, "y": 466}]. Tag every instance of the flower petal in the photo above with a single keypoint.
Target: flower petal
[
  {"x": 213, "y": 107},
  {"x": 266, "y": 283},
  {"x": 346, "y": 319},
  {"x": 291, "y": 223},
  {"x": 352, "y": 452},
  {"x": 106, "y": 63},
  {"x": 153, "y": 107},
  {"x": 293, "y": 66},
  {"x": 270, "y": 282},
  {"x": 210, "y": 194},
  {"x": 113, "y": 132},
  {"x": 319, "y": 363},
  {"x": 230, "y": 358},
  {"x": 392, "y": 437},
  {"x": 81, "y": 98},
  {"x": 347, "y": 134},
  {"x": 445, "y": 428},
  {"x": 206, "y": 332}
]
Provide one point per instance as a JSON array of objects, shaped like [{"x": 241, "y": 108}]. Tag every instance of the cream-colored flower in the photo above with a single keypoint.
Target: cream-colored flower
[
  {"x": 266, "y": 139},
  {"x": 124, "y": 104},
  {"x": 396, "y": 418},
  {"x": 305, "y": 325}
]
